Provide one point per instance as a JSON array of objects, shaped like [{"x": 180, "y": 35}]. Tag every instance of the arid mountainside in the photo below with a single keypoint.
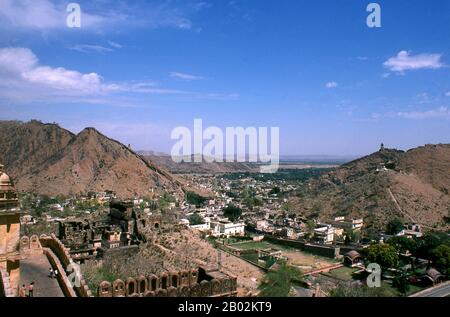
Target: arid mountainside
[
  {"x": 412, "y": 185},
  {"x": 46, "y": 159}
]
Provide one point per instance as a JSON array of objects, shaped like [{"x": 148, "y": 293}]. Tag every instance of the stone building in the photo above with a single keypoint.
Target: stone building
[
  {"x": 9, "y": 230},
  {"x": 124, "y": 227}
]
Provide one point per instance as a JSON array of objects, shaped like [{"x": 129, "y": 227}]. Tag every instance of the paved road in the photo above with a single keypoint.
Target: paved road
[
  {"x": 36, "y": 268},
  {"x": 442, "y": 290}
]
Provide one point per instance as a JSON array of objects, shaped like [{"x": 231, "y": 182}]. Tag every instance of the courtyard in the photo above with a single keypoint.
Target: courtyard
[{"x": 300, "y": 259}]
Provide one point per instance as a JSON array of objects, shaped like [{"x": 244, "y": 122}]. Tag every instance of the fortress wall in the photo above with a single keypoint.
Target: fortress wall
[
  {"x": 62, "y": 254},
  {"x": 63, "y": 280},
  {"x": 287, "y": 242},
  {"x": 171, "y": 284},
  {"x": 322, "y": 250}
]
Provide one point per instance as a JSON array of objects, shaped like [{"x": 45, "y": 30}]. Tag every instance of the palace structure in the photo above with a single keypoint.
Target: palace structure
[{"x": 9, "y": 232}]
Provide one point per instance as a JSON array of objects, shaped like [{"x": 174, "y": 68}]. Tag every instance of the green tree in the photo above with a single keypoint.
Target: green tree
[
  {"x": 196, "y": 219},
  {"x": 232, "y": 194},
  {"x": 251, "y": 202},
  {"x": 383, "y": 254},
  {"x": 143, "y": 205},
  {"x": 402, "y": 244},
  {"x": 310, "y": 226},
  {"x": 431, "y": 240},
  {"x": 401, "y": 283},
  {"x": 394, "y": 226},
  {"x": 257, "y": 201},
  {"x": 47, "y": 200},
  {"x": 153, "y": 205},
  {"x": 195, "y": 199},
  {"x": 275, "y": 191},
  {"x": 351, "y": 236},
  {"x": 165, "y": 200},
  {"x": 278, "y": 283},
  {"x": 232, "y": 212},
  {"x": 441, "y": 259}
]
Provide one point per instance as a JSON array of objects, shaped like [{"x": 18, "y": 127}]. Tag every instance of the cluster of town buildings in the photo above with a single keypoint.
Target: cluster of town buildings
[{"x": 266, "y": 218}]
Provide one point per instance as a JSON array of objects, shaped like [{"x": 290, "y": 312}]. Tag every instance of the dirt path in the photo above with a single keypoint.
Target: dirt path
[
  {"x": 398, "y": 206},
  {"x": 403, "y": 212}
]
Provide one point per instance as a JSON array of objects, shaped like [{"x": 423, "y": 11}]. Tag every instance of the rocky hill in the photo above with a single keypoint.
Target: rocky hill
[
  {"x": 47, "y": 159},
  {"x": 412, "y": 185}
]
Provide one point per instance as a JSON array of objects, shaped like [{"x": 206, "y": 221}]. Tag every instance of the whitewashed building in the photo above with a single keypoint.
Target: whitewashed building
[
  {"x": 324, "y": 235},
  {"x": 226, "y": 228}
]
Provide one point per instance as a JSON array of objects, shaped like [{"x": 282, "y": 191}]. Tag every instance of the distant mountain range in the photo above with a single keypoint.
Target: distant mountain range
[
  {"x": 318, "y": 159},
  {"x": 47, "y": 159},
  {"x": 190, "y": 166},
  {"x": 412, "y": 185}
]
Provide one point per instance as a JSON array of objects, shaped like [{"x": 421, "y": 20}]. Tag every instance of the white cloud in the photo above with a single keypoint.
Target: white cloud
[
  {"x": 89, "y": 48},
  {"x": 86, "y": 48},
  {"x": 331, "y": 84},
  {"x": 423, "y": 96},
  {"x": 64, "y": 79},
  {"x": 437, "y": 113},
  {"x": 22, "y": 74},
  {"x": 376, "y": 116},
  {"x": 442, "y": 112},
  {"x": 96, "y": 16},
  {"x": 217, "y": 96},
  {"x": 404, "y": 61},
  {"x": 24, "y": 79},
  {"x": 16, "y": 60},
  {"x": 114, "y": 44},
  {"x": 41, "y": 15},
  {"x": 26, "y": 71},
  {"x": 185, "y": 76}
]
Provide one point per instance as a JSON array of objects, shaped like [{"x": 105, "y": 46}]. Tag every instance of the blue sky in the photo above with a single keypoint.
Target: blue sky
[{"x": 135, "y": 70}]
